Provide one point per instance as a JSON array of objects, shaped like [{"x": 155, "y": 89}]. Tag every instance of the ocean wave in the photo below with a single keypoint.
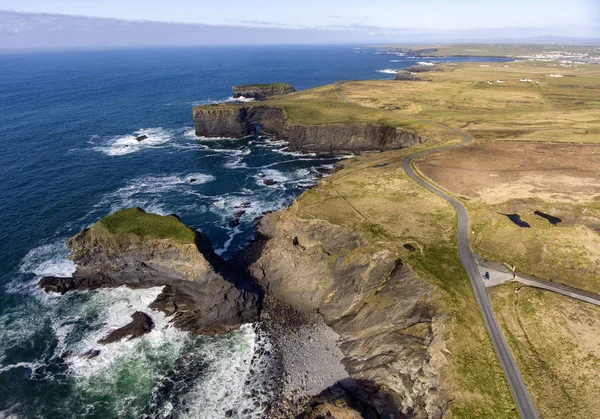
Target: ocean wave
[
  {"x": 425, "y": 63},
  {"x": 387, "y": 71},
  {"x": 287, "y": 152},
  {"x": 128, "y": 143},
  {"x": 147, "y": 192},
  {"x": 48, "y": 260},
  {"x": 235, "y": 164},
  {"x": 240, "y": 99}
]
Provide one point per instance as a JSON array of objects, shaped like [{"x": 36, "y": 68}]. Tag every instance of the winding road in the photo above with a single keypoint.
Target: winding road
[{"x": 507, "y": 362}]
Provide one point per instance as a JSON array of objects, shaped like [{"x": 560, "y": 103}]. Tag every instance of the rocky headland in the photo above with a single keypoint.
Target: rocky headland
[
  {"x": 262, "y": 91},
  {"x": 332, "y": 138},
  {"x": 142, "y": 250},
  {"x": 391, "y": 330},
  {"x": 353, "y": 329}
]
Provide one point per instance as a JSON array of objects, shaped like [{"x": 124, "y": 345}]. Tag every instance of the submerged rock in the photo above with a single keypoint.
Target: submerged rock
[
  {"x": 139, "y": 326},
  {"x": 92, "y": 353},
  {"x": 142, "y": 250}
]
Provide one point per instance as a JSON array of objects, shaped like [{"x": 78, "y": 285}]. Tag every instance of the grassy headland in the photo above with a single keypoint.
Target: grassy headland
[{"x": 147, "y": 225}]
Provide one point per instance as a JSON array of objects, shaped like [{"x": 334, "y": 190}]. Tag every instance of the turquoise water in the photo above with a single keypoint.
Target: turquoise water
[{"x": 69, "y": 156}]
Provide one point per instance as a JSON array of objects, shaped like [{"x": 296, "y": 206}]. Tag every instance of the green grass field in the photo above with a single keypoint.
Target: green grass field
[{"x": 140, "y": 223}]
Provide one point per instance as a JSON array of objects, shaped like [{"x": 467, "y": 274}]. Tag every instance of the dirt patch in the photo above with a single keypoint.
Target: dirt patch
[{"x": 497, "y": 172}]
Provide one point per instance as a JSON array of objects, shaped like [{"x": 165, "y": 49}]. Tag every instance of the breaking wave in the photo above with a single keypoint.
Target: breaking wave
[{"x": 128, "y": 143}]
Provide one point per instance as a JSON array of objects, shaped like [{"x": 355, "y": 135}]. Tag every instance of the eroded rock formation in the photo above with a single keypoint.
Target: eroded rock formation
[
  {"x": 262, "y": 91},
  {"x": 199, "y": 289},
  {"x": 241, "y": 121},
  {"x": 392, "y": 331}
]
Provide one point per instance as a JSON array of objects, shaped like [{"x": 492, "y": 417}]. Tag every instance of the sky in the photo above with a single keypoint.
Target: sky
[{"x": 77, "y": 23}]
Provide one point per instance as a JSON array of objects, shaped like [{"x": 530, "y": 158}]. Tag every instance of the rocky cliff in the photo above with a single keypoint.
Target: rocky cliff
[
  {"x": 139, "y": 250},
  {"x": 240, "y": 121},
  {"x": 392, "y": 333},
  {"x": 262, "y": 91}
]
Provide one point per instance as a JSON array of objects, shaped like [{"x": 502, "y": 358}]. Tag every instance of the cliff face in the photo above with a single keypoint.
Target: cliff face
[
  {"x": 216, "y": 121},
  {"x": 262, "y": 91},
  {"x": 392, "y": 332},
  {"x": 348, "y": 138},
  {"x": 199, "y": 290}
]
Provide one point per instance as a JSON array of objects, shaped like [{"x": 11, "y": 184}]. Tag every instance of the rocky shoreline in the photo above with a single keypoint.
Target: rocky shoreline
[{"x": 343, "y": 328}]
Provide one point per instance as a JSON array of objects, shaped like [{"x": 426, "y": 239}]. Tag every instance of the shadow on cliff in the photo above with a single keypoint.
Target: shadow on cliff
[
  {"x": 366, "y": 397},
  {"x": 231, "y": 271}
]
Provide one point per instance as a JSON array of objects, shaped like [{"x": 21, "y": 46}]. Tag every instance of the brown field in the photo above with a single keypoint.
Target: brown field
[
  {"x": 556, "y": 343},
  {"x": 498, "y": 178},
  {"x": 498, "y": 171}
]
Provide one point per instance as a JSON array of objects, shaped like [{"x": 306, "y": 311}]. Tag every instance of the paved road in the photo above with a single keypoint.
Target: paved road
[
  {"x": 588, "y": 297},
  {"x": 511, "y": 372},
  {"x": 499, "y": 274}
]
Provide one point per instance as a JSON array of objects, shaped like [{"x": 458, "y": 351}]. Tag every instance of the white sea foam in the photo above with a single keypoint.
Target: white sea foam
[
  {"x": 229, "y": 363},
  {"x": 287, "y": 152},
  {"x": 146, "y": 191},
  {"x": 235, "y": 164},
  {"x": 395, "y": 61},
  {"x": 425, "y": 63},
  {"x": 127, "y": 144},
  {"x": 234, "y": 232},
  {"x": 387, "y": 71},
  {"x": 48, "y": 260},
  {"x": 240, "y": 99},
  {"x": 198, "y": 178}
]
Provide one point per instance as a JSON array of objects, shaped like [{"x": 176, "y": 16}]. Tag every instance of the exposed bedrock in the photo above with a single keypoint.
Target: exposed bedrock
[
  {"x": 392, "y": 331},
  {"x": 241, "y": 121},
  {"x": 140, "y": 324},
  {"x": 141, "y": 250}
]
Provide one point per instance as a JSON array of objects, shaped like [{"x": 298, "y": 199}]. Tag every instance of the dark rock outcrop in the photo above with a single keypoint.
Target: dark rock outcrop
[
  {"x": 404, "y": 75},
  {"x": 421, "y": 68},
  {"x": 238, "y": 121},
  {"x": 202, "y": 293},
  {"x": 262, "y": 91},
  {"x": 241, "y": 121},
  {"x": 140, "y": 324}
]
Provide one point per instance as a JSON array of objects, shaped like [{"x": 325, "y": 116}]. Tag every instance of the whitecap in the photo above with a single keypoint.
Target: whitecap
[
  {"x": 240, "y": 99},
  {"x": 198, "y": 178},
  {"x": 233, "y": 232},
  {"x": 425, "y": 63},
  {"x": 127, "y": 144},
  {"x": 235, "y": 164},
  {"x": 48, "y": 260},
  {"x": 285, "y": 151},
  {"x": 387, "y": 71},
  {"x": 147, "y": 191}
]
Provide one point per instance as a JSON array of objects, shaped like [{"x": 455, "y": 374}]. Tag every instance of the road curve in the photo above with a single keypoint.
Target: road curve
[{"x": 507, "y": 362}]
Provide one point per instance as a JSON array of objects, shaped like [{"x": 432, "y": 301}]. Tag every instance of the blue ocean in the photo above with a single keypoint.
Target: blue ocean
[{"x": 69, "y": 156}]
